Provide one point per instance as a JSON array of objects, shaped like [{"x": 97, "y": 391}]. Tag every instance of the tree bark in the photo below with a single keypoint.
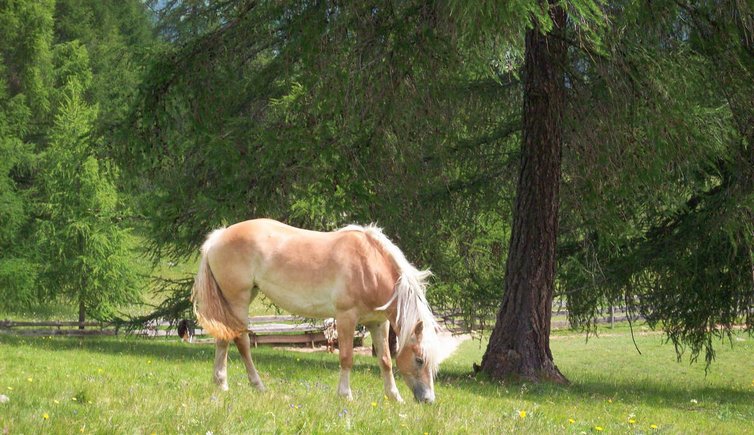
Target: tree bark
[
  {"x": 82, "y": 313},
  {"x": 519, "y": 346}
]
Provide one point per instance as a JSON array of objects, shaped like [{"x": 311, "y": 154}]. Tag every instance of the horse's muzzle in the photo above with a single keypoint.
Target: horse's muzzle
[{"x": 423, "y": 394}]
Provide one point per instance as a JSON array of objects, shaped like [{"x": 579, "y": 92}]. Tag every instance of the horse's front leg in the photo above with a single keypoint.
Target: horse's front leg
[
  {"x": 380, "y": 333},
  {"x": 346, "y": 326},
  {"x": 221, "y": 364}
]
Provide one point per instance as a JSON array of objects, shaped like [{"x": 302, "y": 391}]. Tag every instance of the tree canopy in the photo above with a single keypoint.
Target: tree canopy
[{"x": 189, "y": 115}]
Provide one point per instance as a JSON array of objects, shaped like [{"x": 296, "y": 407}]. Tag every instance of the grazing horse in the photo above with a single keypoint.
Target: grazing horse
[{"x": 355, "y": 275}]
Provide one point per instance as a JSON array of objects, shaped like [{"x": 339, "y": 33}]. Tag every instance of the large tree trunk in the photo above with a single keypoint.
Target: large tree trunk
[{"x": 519, "y": 346}]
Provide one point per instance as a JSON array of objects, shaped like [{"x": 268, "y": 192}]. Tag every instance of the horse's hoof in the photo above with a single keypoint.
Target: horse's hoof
[{"x": 259, "y": 387}]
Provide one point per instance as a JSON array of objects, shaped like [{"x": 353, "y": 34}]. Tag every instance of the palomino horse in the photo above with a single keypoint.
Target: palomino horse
[{"x": 356, "y": 275}]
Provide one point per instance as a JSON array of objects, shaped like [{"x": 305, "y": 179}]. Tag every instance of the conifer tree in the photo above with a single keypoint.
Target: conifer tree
[{"x": 82, "y": 251}]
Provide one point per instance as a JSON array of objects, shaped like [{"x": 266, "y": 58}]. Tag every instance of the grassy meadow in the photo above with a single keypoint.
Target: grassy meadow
[{"x": 132, "y": 385}]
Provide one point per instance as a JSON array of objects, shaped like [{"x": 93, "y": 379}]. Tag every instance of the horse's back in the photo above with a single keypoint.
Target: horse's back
[{"x": 306, "y": 272}]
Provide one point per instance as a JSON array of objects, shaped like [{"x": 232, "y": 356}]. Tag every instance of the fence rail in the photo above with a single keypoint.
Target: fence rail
[
  {"x": 282, "y": 329},
  {"x": 457, "y": 323},
  {"x": 276, "y": 329}
]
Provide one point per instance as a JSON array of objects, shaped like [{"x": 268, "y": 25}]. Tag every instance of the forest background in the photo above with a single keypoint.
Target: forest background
[{"x": 133, "y": 128}]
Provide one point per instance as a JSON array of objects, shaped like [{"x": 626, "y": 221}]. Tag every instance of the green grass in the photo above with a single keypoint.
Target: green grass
[{"x": 130, "y": 385}]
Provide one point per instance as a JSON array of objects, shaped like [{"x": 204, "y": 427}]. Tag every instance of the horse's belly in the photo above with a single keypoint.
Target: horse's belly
[{"x": 303, "y": 301}]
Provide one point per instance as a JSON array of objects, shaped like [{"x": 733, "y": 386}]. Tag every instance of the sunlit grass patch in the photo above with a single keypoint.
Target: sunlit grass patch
[{"x": 128, "y": 385}]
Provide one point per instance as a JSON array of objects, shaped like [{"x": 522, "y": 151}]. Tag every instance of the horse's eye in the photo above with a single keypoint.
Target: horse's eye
[{"x": 420, "y": 361}]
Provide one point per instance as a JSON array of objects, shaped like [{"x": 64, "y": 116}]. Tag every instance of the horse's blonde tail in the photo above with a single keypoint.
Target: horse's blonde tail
[{"x": 212, "y": 310}]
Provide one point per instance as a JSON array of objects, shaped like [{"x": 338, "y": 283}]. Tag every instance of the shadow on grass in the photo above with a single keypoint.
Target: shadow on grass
[
  {"x": 639, "y": 392},
  {"x": 599, "y": 388},
  {"x": 177, "y": 351}
]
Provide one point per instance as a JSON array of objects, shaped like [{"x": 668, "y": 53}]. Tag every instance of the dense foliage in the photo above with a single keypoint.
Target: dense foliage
[
  {"x": 63, "y": 84},
  {"x": 660, "y": 192},
  {"x": 406, "y": 114}
]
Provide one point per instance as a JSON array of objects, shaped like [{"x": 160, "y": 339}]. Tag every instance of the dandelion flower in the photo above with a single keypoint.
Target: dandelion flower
[
  {"x": 10, "y": 388},
  {"x": 609, "y": 400},
  {"x": 522, "y": 414},
  {"x": 653, "y": 426},
  {"x": 599, "y": 428},
  {"x": 74, "y": 399},
  {"x": 55, "y": 402},
  {"x": 374, "y": 404},
  {"x": 631, "y": 421},
  {"x": 45, "y": 416},
  {"x": 30, "y": 379},
  {"x": 571, "y": 421}
]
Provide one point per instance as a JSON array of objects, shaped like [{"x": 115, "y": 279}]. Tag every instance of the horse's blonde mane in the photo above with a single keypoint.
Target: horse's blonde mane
[{"x": 410, "y": 297}]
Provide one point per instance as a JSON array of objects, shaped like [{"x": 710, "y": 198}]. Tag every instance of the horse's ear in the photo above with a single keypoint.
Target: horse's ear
[{"x": 418, "y": 329}]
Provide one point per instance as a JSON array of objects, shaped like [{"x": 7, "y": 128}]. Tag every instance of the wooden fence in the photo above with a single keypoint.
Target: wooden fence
[
  {"x": 262, "y": 330},
  {"x": 56, "y": 328},
  {"x": 456, "y": 323}
]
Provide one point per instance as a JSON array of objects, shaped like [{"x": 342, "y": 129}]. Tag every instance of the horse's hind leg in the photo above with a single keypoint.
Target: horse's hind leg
[
  {"x": 380, "y": 333},
  {"x": 221, "y": 364},
  {"x": 241, "y": 311},
  {"x": 244, "y": 348}
]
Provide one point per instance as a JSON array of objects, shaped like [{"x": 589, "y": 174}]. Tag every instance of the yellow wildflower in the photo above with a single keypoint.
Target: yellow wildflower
[
  {"x": 45, "y": 416},
  {"x": 522, "y": 414},
  {"x": 599, "y": 428},
  {"x": 653, "y": 426},
  {"x": 374, "y": 404},
  {"x": 55, "y": 402},
  {"x": 30, "y": 379},
  {"x": 631, "y": 421},
  {"x": 10, "y": 388},
  {"x": 571, "y": 421}
]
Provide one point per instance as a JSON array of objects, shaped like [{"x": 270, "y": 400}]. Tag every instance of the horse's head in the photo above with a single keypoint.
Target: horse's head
[{"x": 417, "y": 370}]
